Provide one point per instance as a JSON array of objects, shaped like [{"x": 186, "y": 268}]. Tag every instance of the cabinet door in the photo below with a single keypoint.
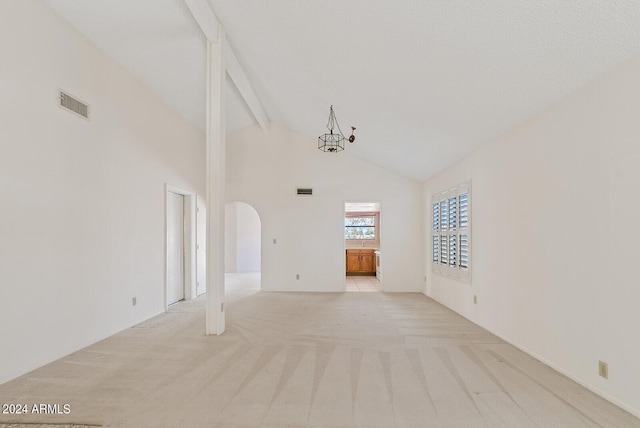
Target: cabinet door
[
  {"x": 367, "y": 262},
  {"x": 353, "y": 261}
]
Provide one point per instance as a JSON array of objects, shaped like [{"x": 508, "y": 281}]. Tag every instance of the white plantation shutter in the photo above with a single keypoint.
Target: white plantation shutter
[
  {"x": 453, "y": 255},
  {"x": 451, "y": 232},
  {"x": 464, "y": 251},
  {"x": 463, "y": 200},
  {"x": 463, "y": 203},
  {"x": 444, "y": 252},
  {"x": 444, "y": 216},
  {"x": 453, "y": 213},
  {"x": 435, "y": 216}
]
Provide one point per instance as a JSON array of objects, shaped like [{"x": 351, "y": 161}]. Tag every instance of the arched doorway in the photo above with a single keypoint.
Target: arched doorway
[{"x": 243, "y": 241}]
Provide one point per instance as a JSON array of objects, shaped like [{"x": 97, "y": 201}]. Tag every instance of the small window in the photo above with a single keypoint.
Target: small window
[
  {"x": 451, "y": 233},
  {"x": 360, "y": 227}
]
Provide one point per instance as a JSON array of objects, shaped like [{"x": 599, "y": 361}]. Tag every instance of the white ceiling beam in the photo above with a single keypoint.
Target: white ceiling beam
[
  {"x": 246, "y": 90},
  {"x": 206, "y": 19}
]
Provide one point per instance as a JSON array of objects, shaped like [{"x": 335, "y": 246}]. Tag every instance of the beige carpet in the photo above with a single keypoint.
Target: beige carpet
[
  {"x": 38, "y": 425},
  {"x": 309, "y": 360}
]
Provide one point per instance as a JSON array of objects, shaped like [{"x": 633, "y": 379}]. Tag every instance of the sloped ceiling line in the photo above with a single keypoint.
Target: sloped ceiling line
[
  {"x": 425, "y": 81},
  {"x": 206, "y": 19}
]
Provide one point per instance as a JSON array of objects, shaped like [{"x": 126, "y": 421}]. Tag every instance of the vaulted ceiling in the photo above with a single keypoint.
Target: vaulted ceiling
[{"x": 424, "y": 81}]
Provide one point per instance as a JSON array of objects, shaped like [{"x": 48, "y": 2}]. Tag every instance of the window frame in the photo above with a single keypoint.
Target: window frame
[
  {"x": 451, "y": 253},
  {"x": 364, "y": 242}
]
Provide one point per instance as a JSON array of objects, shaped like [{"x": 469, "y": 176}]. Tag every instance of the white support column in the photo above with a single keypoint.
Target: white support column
[{"x": 216, "y": 76}]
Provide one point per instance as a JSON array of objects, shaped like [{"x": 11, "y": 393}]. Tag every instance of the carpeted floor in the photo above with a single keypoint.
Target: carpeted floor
[
  {"x": 38, "y": 425},
  {"x": 309, "y": 360}
]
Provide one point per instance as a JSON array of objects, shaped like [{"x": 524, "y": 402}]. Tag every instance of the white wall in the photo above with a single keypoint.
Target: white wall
[
  {"x": 230, "y": 237},
  {"x": 555, "y": 235},
  {"x": 264, "y": 170},
  {"x": 242, "y": 238},
  {"x": 81, "y": 203}
]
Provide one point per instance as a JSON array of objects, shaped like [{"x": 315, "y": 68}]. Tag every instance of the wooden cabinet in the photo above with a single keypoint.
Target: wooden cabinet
[
  {"x": 361, "y": 262},
  {"x": 368, "y": 261},
  {"x": 353, "y": 261}
]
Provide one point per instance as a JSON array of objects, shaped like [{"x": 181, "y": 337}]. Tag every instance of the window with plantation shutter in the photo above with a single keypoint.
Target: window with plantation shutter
[
  {"x": 464, "y": 210},
  {"x": 444, "y": 216},
  {"x": 453, "y": 213},
  {"x": 451, "y": 232},
  {"x": 453, "y": 255},
  {"x": 444, "y": 252},
  {"x": 464, "y": 251}
]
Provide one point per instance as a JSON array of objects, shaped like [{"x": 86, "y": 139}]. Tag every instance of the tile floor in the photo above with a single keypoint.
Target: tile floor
[{"x": 363, "y": 284}]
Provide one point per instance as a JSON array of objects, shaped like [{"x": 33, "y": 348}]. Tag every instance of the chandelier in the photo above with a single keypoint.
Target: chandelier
[{"x": 333, "y": 142}]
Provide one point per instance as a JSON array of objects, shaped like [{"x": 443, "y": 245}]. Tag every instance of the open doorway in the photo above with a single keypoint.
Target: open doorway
[
  {"x": 180, "y": 245},
  {"x": 362, "y": 246},
  {"x": 243, "y": 252}
]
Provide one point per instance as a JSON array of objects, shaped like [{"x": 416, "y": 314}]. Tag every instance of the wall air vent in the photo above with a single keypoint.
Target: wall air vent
[
  {"x": 73, "y": 105},
  {"x": 302, "y": 191}
]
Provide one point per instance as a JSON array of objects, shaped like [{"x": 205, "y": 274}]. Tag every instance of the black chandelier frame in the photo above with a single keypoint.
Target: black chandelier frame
[{"x": 334, "y": 142}]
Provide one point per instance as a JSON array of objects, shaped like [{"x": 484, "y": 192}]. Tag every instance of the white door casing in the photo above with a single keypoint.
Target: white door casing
[
  {"x": 175, "y": 248},
  {"x": 201, "y": 246}
]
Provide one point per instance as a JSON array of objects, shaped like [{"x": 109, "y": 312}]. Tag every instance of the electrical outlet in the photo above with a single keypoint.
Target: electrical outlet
[
  {"x": 475, "y": 299},
  {"x": 603, "y": 369},
  {"x": 298, "y": 276},
  {"x": 134, "y": 301}
]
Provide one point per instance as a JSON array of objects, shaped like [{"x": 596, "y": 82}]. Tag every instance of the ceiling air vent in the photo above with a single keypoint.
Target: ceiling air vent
[
  {"x": 302, "y": 191},
  {"x": 73, "y": 105}
]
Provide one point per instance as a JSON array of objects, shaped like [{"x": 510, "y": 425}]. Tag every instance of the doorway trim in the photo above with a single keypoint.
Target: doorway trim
[
  {"x": 190, "y": 199},
  {"x": 201, "y": 245},
  {"x": 379, "y": 204}
]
